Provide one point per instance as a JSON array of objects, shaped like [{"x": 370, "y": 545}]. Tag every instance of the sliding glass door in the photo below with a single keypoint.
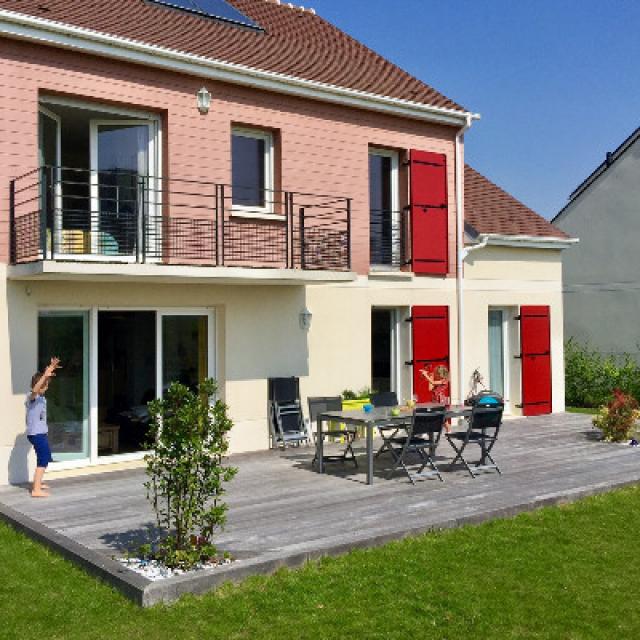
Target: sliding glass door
[
  {"x": 113, "y": 363},
  {"x": 66, "y": 335}
]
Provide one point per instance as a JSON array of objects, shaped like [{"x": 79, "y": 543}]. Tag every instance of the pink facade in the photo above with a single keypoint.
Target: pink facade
[{"x": 320, "y": 148}]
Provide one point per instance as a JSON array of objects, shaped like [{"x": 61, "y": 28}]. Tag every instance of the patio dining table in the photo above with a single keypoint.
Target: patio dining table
[{"x": 370, "y": 420}]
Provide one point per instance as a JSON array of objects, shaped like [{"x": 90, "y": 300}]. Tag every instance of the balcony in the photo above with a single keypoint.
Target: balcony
[{"x": 61, "y": 216}]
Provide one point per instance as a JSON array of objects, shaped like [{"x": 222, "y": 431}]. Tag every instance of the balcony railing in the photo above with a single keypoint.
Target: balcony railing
[
  {"x": 387, "y": 238},
  {"x": 57, "y": 213}
]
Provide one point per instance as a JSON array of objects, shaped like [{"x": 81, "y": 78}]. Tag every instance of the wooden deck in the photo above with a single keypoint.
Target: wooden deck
[{"x": 279, "y": 506}]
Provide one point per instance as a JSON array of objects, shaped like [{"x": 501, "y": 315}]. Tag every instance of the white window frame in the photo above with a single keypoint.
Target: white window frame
[
  {"x": 212, "y": 368},
  {"x": 266, "y": 212},
  {"x": 395, "y": 201}
]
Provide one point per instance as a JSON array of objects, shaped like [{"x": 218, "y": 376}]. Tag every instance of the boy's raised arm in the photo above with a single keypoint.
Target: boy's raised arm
[{"x": 49, "y": 372}]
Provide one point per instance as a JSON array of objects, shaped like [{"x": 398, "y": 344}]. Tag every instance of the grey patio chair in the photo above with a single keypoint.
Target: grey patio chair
[
  {"x": 423, "y": 435},
  {"x": 319, "y": 405},
  {"x": 385, "y": 399},
  {"x": 286, "y": 421},
  {"x": 483, "y": 428}
]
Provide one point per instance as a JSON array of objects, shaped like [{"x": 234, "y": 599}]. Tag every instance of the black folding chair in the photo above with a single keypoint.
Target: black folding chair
[
  {"x": 320, "y": 405},
  {"x": 422, "y": 437},
  {"x": 387, "y": 431},
  {"x": 286, "y": 421},
  {"x": 483, "y": 428}
]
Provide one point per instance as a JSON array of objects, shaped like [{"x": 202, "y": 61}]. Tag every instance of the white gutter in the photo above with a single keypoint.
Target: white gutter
[
  {"x": 58, "y": 34},
  {"x": 459, "y": 253},
  {"x": 527, "y": 242}
]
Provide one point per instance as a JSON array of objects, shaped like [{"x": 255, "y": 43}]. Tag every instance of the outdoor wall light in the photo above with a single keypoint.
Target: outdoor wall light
[
  {"x": 204, "y": 101},
  {"x": 305, "y": 319}
]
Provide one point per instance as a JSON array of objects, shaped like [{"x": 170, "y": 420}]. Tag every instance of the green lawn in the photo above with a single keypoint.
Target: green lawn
[
  {"x": 587, "y": 410},
  {"x": 569, "y": 572}
]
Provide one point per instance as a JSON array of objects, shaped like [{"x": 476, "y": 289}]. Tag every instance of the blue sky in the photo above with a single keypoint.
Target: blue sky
[{"x": 557, "y": 82}]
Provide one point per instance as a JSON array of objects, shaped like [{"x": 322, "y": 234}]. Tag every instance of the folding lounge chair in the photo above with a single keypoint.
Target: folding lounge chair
[
  {"x": 321, "y": 405},
  {"x": 484, "y": 426},
  {"x": 286, "y": 421},
  {"x": 422, "y": 437},
  {"x": 385, "y": 399}
]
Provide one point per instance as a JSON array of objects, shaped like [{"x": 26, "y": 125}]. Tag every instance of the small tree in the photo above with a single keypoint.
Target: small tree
[{"x": 186, "y": 471}]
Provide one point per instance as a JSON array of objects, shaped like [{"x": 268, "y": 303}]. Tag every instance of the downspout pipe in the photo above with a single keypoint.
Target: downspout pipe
[{"x": 460, "y": 253}]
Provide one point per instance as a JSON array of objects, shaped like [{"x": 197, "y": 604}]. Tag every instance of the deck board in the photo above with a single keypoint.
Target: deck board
[{"x": 279, "y": 505}]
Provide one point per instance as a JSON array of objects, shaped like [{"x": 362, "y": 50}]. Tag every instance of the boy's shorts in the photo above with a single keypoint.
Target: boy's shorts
[{"x": 40, "y": 443}]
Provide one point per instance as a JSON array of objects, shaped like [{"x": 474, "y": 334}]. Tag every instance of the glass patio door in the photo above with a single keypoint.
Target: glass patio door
[
  {"x": 66, "y": 335},
  {"x": 122, "y": 165}
]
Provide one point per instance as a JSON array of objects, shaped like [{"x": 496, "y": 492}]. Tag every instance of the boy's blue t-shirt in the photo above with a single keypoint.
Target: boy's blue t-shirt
[{"x": 36, "y": 415}]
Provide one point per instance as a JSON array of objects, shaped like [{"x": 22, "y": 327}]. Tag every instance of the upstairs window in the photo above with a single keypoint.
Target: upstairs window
[{"x": 252, "y": 169}]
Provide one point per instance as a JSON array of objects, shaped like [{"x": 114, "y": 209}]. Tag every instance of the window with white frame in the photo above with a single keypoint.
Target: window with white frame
[{"x": 252, "y": 170}]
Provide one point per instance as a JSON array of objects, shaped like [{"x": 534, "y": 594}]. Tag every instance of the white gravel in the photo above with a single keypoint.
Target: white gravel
[{"x": 154, "y": 570}]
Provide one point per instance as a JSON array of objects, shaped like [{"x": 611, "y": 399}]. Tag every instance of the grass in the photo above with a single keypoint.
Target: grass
[
  {"x": 568, "y": 573},
  {"x": 587, "y": 410}
]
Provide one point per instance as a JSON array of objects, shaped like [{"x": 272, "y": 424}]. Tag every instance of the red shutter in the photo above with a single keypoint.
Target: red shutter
[
  {"x": 430, "y": 347},
  {"x": 429, "y": 213},
  {"x": 535, "y": 347}
]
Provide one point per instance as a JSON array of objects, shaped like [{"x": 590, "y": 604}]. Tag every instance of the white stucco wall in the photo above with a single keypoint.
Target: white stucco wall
[{"x": 259, "y": 335}]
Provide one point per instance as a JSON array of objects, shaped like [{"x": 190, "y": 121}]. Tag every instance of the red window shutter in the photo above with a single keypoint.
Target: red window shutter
[
  {"x": 429, "y": 213},
  {"x": 535, "y": 348},
  {"x": 430, "y": 348}
]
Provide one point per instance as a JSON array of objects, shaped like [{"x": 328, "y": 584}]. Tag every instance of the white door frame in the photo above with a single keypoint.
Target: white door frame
[
  {"x": 396, "y": 347},
  {"x": 152, "y": 176},
  {"x": 57, "y": 191},
  {"x": 395, "y": 197},
  {"x": 212, "y": 366},
  {"x": 507, "y": 315}
]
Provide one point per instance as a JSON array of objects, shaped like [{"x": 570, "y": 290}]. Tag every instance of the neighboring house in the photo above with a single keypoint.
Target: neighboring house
[
  {"x": 245, "y": 196},
  {"x": 601, "y": 274}
]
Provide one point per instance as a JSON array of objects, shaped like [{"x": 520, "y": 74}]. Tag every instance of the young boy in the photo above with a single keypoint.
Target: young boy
[{"x": 37, "y": 428}]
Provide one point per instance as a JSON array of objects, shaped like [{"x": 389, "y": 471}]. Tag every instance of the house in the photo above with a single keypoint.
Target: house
[
  {"x": 239, "y": 189},
  {"x": 601, "y": 294}
]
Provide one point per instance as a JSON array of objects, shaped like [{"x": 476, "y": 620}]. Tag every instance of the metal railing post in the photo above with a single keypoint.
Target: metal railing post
[
  {"x": 216, "y": 189},
  {"x": 222, "y": 222},
  {"x": 303, "y": 261},
  {"x": 288, "y": 250},
  {"x": 349, "y": 234},
  {"x": 292, "y": 232},
  {"x": 142, "y": 218},
  {"x": 49, "y": 214},
  {"x": 12, "y": 222}
]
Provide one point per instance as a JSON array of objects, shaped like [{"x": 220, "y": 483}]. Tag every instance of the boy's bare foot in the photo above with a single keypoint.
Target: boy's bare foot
[
  {"x": 45, "y": 487},
  {"x": 39, "y": 494}
]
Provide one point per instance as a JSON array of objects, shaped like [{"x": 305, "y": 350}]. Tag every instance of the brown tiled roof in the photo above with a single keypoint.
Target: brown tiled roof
[
  {"x": 294, "y": 42},
  {"x": 490, "y": 209}
]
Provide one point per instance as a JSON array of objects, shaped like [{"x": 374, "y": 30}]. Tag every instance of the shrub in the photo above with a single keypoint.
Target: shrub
[
  {"x": 590, "y": 377},
  {"x": 186, "y": 471},
  {"x": 616, "y": 421}
]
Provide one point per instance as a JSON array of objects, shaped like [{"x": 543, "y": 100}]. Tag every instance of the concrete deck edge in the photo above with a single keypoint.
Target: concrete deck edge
[
  {"x": 130, "y": 584},
  {"x": 146, "y": 593}
]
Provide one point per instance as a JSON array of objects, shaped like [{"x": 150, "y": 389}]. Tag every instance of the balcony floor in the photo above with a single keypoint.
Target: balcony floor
[{"x": 135, "y": 272}]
